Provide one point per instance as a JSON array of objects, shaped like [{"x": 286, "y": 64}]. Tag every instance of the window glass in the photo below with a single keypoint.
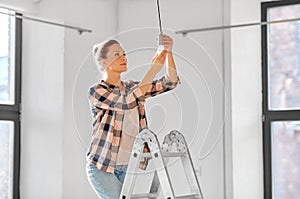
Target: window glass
[
  {"x": 286, "y": 159},
  {"x": 6, "y": 159},
  {"x": 284, "y": 58},
  {"x": 7, "y": 59}
]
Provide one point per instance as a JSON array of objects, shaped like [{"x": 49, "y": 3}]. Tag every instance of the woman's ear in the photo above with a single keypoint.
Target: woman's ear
[{"x": 103, "y": 62}]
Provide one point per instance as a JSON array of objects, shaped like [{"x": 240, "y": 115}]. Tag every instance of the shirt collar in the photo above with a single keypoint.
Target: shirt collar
[{"x": 109, "y": 85}]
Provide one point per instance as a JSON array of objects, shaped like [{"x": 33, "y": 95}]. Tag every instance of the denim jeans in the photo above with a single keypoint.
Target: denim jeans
[{"x": 106, "y": 185}]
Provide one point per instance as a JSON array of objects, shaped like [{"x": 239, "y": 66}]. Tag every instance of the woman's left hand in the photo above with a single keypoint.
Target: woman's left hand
[{"x": 168, "y": 42}]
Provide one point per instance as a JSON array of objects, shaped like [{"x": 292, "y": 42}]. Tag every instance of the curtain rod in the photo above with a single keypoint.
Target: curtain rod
[
  {"x": 80, "y": 30},
  {"x": 185, "y": 32}
]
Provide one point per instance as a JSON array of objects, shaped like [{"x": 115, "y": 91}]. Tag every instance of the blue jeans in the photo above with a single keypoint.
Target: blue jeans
[{"x": 106, "y": 185}]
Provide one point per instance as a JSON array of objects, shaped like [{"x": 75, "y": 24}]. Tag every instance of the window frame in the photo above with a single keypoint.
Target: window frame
[
  {"x": 270, "y": 116},
  {"x": 13, "y": 112}
]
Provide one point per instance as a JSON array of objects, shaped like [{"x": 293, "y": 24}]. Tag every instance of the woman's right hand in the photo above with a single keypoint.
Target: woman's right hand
[
  {"x": 159, "y": 60},
  {"x": 157, "y": 63}
]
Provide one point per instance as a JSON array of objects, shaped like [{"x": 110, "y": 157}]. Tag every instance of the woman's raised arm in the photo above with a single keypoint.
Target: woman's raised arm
[{"x": 157, "y": 63}]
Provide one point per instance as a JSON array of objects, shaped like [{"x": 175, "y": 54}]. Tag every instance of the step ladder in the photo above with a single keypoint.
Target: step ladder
[{"x": 174, "y": 145}]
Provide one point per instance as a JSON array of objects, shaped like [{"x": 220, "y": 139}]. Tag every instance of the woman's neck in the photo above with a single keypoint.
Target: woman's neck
[{"x": 114, "y": 78}]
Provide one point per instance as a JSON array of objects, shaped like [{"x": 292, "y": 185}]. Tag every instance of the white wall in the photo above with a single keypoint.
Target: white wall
[
  {"x": 246, "y": 101},
  {"x": 100, "y": 16},
  {"x": 24, "y": 6},
  {"x": 42, "y": 112}
]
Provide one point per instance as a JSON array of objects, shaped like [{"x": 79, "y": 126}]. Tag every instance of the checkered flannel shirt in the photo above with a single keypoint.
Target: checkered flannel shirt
[{"x": 108, "y": 104}]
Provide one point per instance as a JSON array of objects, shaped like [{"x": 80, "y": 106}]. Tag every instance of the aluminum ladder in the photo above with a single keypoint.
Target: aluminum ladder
[{"x": 159, "y": 155}]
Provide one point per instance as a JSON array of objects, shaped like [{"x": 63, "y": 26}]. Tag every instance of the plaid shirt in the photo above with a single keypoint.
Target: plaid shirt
[{"x": 108, "y": 104}]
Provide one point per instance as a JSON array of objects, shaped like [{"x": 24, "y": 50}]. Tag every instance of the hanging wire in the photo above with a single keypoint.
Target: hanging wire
[
  {"x": 159, "y": 17},
  {"x": 80, "y": 30}
]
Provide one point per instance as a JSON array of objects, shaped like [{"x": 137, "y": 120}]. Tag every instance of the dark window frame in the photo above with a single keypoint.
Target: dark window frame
[
  {"x": 13, "y": 112},
  {"x": 270, "y": 116}
]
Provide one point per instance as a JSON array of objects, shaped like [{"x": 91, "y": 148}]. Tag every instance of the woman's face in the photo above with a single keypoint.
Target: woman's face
[{"x": 115, "y": 59}]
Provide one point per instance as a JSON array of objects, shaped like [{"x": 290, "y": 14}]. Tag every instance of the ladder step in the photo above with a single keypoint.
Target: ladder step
[
  {"x": 165, "y": 154},
  {"x": 173, "y": 154},
  {"x": 155, "y": 195},
  {"x": 193, "y": 196},
  {"x": 144, "y": 195}
]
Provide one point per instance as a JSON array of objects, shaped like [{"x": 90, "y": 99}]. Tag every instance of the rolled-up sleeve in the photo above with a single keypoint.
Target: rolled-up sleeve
[
  {"x": 104, "y": 98},
  {"x": 160, "y": 86}
]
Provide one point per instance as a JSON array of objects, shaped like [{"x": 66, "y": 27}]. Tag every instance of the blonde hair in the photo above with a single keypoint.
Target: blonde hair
[{"x": 100, "y": 51}]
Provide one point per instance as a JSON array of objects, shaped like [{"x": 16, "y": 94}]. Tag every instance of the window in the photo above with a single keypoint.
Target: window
[
  {"x": 281, "y": 100},
  {"x": 10, "y": 90}
]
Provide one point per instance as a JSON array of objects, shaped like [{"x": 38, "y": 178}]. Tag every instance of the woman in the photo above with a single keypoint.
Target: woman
[{"x": 118, "y": 112}]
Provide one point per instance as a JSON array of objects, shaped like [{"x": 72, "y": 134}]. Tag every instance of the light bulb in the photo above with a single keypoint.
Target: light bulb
[
  {"x": 160, "y": 45},
  {"x": 159, "y": 49}
]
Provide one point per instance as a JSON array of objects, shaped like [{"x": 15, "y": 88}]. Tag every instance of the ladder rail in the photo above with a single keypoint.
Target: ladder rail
[
  {"x": 130, "y": 176},
  {"x": 160, "y": 165},
  {"x": 155, "y": 186},
  {"x": 175, "y": 137}
]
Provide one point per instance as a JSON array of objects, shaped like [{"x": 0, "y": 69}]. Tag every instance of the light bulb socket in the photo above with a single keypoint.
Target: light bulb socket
[{"x": 160, "y": 40}]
